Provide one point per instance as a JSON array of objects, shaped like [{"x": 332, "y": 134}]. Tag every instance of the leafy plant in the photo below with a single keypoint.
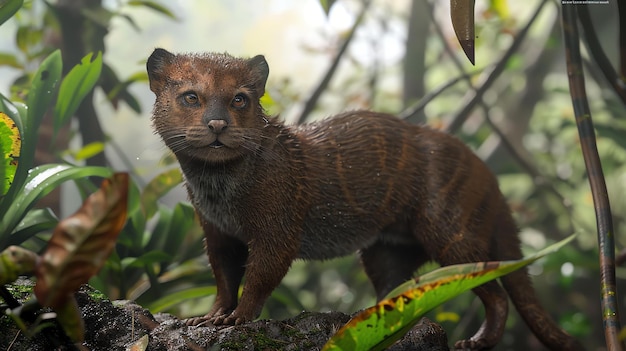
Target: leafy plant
[
  {"x": 158, "y": 261},
  {"x": 26, "y": 183},
  {"x": 77, "y": 249},
  {"x": 378, "y": 327}
]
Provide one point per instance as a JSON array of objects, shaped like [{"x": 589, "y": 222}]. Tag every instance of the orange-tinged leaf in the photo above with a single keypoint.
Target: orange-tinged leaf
[
  {"x": 10, "y": 146},
  {"x": 379, "y": 326},
  {"x": 82, "y": 242}
]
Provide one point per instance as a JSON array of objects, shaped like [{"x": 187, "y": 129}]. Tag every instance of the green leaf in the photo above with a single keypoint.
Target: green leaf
[
  {"x": 8, "y": 8},
  {"x": 172, "y": 299},
  {"x": 10, "y": 146},
  {"x": 75, "y": 86},
  {"x": 326, "y": 5},
  {"x": 183, "y": 219},
  {"x": 154, "y": 6},
  {"x": 43, "y": 88},
  {"x": 10, "y": 60},
  {"x": 89, "y": 150},
  {"x": 380, "y": 326},
  {"x": 159, "y": 186},
  {"x": 40, "y": 181},
  {"x": 149, "y": 258},
  {"x": 35, "y": 222}
]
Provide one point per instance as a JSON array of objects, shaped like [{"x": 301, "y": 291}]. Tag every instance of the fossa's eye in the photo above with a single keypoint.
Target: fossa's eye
[
  {"x": 239, "y": 101},
  {"x": 190, "y": 98}
]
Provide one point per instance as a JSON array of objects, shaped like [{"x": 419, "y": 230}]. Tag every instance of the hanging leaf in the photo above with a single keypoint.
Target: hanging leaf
[
  {"x": 8, "y": 8},
  {"x": 462, "y": 15},
  {"x": 75, "y": 86},
  {"x": 10, "y": 146},
  {"x": 380, "y": 326},
  {"x": 81, "y": 243}
]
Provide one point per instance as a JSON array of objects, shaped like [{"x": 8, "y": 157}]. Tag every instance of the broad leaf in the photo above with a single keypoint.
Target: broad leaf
[
  {"x": 8, "y": 8},
  {"x": 380, "y": 326},
  {"x": 42, "y": 90},
  {"x": 39, "y": 182},
  {"x": 13, "y": 111},
  {"x": 35, "y": 222},
  {"x": 159, "y": 186},
  {"x": 81, "y": 243},
  {"x": 75, "y": 86},
  {"x": 10, "y": 146}
]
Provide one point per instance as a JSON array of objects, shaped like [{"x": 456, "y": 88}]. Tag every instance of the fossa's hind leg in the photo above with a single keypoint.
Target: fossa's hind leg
[{"x": 389, "y": 265}]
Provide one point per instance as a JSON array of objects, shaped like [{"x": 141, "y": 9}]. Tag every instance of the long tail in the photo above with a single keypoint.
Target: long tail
[{"x": 519, "y": 287}]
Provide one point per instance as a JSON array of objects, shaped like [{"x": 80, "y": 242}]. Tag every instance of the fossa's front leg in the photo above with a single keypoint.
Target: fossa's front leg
[{"x": 227, "y": 256}]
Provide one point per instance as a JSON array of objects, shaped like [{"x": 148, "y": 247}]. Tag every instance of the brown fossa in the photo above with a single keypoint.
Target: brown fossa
[{"x": 269, "y": 193}]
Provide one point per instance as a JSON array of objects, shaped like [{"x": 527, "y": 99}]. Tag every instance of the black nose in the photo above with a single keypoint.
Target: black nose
[{"x": 217, "y": 125}]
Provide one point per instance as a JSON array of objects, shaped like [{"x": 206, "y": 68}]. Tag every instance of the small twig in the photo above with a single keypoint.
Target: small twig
[
  {"x": 413, "y": 110},
  {"x": 312, "y": 101},
  {"x": 593, "y": 165}
]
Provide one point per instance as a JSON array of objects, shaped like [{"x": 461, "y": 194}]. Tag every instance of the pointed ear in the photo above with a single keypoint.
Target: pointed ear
[
  {"x": 260, "y": 71},
  {"x": 156, "y": 68}
]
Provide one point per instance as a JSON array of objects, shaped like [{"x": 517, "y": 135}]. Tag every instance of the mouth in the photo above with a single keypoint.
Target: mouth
[{"x": 216, "y": 144}]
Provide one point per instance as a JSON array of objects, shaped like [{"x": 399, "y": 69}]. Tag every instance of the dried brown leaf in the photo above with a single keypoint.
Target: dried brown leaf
[{"x": 82, "y": 242}]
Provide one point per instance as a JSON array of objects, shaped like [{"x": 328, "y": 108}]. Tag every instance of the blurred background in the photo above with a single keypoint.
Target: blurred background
[{"x": 397, "y": 55}]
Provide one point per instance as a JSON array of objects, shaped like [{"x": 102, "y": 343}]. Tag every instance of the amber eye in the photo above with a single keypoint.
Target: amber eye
[
  {"x": 239, "y": 101},
  {"x": 190, "y": 98}
]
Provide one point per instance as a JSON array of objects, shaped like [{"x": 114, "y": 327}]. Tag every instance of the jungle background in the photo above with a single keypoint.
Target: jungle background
[{"x": 398, "y": 54}]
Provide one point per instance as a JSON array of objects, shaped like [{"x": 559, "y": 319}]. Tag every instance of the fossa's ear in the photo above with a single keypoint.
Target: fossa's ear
[
  {"x": 156, "y": 68},
  {"x": 260, "y": 71}
]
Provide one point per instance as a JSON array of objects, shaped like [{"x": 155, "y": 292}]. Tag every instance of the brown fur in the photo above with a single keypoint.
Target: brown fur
[{"x": 269, "y": 193}]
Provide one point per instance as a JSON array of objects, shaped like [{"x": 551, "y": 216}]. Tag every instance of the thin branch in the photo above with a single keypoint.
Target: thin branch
[
  {"x": 598, "y": 54},
  {"x": 586, "y": 133},
  {"x": 310, "y": 104},
  {"x": 413, "y": 110}
]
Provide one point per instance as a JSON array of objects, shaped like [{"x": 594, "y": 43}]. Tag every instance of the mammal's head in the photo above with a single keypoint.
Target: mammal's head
[{"x": 207, "y": 105}]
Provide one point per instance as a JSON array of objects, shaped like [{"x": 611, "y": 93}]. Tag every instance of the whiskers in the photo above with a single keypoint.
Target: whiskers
[
  {"x": 254, "y": 141},
  {"x": 176, "y": 139}
]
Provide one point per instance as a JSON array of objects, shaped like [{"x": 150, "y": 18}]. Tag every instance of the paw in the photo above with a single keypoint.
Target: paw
[
  {"x": 235, "y": 319},
  {"x": 214, "y": 317},
  {"x": 198, "y": 321}
]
